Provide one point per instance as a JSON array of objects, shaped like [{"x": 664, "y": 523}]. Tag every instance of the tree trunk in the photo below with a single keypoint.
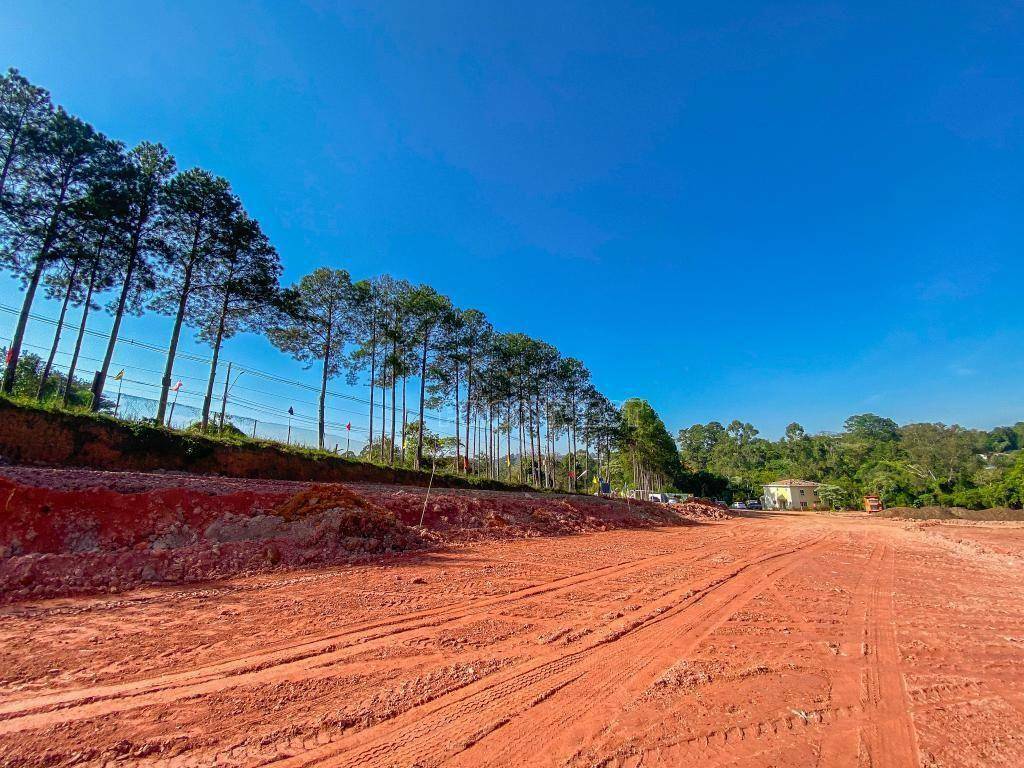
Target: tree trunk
[
  {"x": 458, "y": 434},
  {"x": 508, "y": 439},
  {"x": 81, "y": 333},
  {"x": 541, "y": 474},
  {"x": 469, "y": 392},
  {"x": 14, "y": 351},
  {"x": 373, "y": 373},
  {"x": 224, "y": 398},
  {"x": 172, "y": 350},
  {"x": 423, "y": 392},
  {"x": 383, "y": 410},
  {"x": 218, "y": 339},
  {"x": 122, "y": 302},
  {"x": 405, "y": 417},
  {"x": 533, "y": 455},
  {"x": 57, "y": 333},
  {"x": 522, "y": 441},
  {"x": 394, "y": 388},
  {"x": 323, "y": 378}
]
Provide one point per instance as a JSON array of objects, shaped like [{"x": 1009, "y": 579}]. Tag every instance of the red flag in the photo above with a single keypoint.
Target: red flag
[
  {"x": 176, "y": 387},
  {"x": 10, "y": 354},
  {"x": 349, "y": 426}
]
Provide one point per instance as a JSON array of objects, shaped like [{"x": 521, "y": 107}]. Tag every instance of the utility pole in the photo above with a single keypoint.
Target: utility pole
[{"x": 224, "y": 399}]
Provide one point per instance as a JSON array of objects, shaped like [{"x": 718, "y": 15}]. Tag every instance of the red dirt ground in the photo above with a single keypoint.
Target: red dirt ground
[
  {"x": 65, "y": 532},
  {"x": 775, "y": 640}
]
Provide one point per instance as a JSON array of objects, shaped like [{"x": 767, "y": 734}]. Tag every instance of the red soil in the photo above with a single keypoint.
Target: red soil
[
  {"x": 778, "y": 640},
  {"x": 79, "y": 531}
]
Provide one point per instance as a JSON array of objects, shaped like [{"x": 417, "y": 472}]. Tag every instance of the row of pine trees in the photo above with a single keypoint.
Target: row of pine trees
[{"x": 84, "y": 217}]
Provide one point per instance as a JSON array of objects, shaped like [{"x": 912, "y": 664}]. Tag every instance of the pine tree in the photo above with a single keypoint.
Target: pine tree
[
  {"x": 314, "y": 326},
  {"x": 147, "y": 171},
  {"x": 65, "y": 159},
  {"x": 243, "y": 278},
  {"x": 197, "y": 209}
]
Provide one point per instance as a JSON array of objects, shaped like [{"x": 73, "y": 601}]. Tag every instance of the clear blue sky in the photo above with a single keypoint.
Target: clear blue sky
[{"x": 765, "y": 211}]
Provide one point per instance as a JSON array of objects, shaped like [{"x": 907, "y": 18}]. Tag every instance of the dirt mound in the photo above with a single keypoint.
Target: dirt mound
[
  {"x": 56, "y": 542},
  {"x": 698, "y": 509},
  {"x": 323, "y": 498},
  {"x": 952, "y": 513},
  {"x": 66, "y": 532},
  {"x": 467, "y": 516}
]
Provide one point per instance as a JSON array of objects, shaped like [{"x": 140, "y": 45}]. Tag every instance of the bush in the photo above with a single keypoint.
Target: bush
[{"x": 213, "y": 429}]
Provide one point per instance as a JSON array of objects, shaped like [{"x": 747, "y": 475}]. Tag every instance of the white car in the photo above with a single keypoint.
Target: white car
[{"x": 737, "y": 505}]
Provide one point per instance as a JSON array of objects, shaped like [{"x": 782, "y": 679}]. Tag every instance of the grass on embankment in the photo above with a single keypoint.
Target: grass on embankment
[{"x": 45, "y": 434}]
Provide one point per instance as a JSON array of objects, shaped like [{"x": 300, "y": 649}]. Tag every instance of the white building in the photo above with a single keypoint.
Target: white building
[{"x": 791, "y": 494}]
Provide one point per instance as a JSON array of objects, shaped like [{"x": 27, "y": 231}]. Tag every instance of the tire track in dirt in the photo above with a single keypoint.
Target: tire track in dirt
[
  {"x": 431, "y": 735},
  {"x": 269, "y": 664},
  {"x": 775, "y": 649},
  {"x": 617, "y": 683},
  {"x": 889, "y": 740},
  {"x": 595, "y": 746},
  {"x": 836, "y": 727},
  {"x": 664, "y": 574},
  {"x": 251, "y": 755}
]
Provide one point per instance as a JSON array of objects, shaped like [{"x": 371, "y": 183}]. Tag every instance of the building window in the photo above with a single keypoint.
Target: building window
[{"x": 801, "y": 491}]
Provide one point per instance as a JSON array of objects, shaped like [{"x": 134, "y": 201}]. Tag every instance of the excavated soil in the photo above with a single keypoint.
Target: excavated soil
[
  {"x": 954, "y": 513},
  {"x": 767, "y": 640},
  {"x": 65, "y": 532}
]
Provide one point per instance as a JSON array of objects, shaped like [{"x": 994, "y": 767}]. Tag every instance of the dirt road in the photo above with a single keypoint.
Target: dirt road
[{"x": 785, "y": 640}]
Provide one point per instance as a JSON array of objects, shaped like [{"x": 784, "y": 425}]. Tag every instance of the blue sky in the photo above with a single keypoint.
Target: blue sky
[{"x": 768, "y": 211}]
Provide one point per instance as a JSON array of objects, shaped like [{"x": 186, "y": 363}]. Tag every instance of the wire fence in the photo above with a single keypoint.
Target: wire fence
[
  {"x": 183, "y": 356},
  {"x": 259, "y": 404},
  {"x": 262, "y": 405},
  {"x": 184, "y": 411},
  {"x": 181, "y": 415}
]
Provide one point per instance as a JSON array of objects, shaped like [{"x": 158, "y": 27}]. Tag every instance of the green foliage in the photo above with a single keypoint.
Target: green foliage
[
  {"x": 833, "y": 496},
  {"x": 912, "y": 465},
  {"x": 29, "y": 375},
  {"x": 228, "y": 432},
  {"x": 647, "y": 458}
]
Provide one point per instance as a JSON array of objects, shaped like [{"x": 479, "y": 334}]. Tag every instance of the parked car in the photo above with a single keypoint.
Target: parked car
[
  {"x": 738, "y": 505},
  {"x": 753, "y": 504},
  {"x": 658, "y": 498}
]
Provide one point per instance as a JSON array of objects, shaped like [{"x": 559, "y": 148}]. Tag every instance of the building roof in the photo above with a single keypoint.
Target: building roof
[{"x": 790, "y": 483}]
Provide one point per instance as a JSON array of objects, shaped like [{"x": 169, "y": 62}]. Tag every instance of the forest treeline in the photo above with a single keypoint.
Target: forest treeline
[
  {"x": 911, "y": 465},
  {"x": 93, "y": 224}
]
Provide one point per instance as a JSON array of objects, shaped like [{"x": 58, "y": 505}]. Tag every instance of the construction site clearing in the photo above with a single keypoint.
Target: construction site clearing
[{"x": 161, "y": 619}]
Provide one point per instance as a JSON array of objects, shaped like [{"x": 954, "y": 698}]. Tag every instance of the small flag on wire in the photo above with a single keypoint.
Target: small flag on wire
[
  {"x": 349, "y": 426},
  {"x": 176, "y": 387},
  {"x": 291, "y": 411},
  {"x": 120, "y": 375}
]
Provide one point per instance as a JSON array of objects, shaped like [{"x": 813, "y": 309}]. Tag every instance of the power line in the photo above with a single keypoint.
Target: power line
[{"x": 437, "y": 417}]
